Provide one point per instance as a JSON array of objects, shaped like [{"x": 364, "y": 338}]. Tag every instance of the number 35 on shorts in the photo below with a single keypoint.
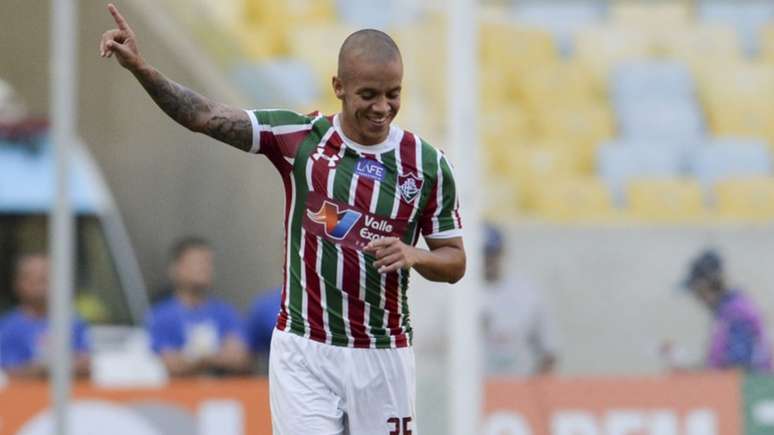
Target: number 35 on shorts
[{"x": 399, "y": 426}]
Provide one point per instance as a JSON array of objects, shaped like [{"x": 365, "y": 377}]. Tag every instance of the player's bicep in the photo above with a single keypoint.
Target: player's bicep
[
  {"x": 229, "y": 125},
  {"x": 441, "y": 217}
]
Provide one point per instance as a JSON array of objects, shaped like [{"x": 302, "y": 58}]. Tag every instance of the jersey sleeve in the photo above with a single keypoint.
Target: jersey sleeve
[
  {"x": 278, "y": 133},
  {"x": 441, "y": 216}
]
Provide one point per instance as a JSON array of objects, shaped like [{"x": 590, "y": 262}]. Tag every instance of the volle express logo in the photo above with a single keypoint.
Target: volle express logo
[
  {"x": 409, "y": 186},
  {"x": 337, "y": 224}
]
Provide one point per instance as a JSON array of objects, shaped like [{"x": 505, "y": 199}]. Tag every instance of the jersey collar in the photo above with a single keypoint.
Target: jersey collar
[{"x": 389, "y": 144}]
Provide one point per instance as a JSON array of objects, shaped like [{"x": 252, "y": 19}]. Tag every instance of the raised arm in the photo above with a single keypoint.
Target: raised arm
[{"x": 188, "y": 108}]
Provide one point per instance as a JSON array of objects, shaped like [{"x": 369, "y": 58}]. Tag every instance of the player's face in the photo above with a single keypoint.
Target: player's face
[
  {"x": 194, "y": 270},
  {"x": 32, "y": 281},
  {"x": 370, "y": 95}
]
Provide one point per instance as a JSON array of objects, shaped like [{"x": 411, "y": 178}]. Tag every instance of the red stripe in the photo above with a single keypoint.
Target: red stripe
[
  {"x": 408, "y": 161},
  {"x": 392, "y": 291},
  {"x": 315, "y": 315},
  {"x": 350, "y": 284},
  {"x": 363, "y": 193},
  {"x": 314, "y": 311},
  {"x": 282, "y": 320}
]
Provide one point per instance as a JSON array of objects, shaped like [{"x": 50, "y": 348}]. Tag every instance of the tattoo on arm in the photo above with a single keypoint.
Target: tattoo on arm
[{"x": 196, "y": 112}]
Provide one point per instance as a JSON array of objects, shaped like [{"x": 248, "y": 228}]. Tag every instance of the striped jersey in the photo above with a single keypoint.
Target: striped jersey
[{"x": 339, "y": 196}]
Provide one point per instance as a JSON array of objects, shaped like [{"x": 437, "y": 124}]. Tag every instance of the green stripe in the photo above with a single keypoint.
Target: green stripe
[
  {"x": 296, "y": 292},
  {"x": 345, "y": 170},
  {"x": 333, "y": 299},
  {"x": 276, "y": 118},
  {"x": 430, "y": 171},
  {"x": 446, "y": 217}
]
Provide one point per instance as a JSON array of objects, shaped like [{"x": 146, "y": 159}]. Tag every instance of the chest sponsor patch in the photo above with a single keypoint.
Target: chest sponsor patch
[
  {"x": 343, "y": 224},
  {"x": 370, "y": 169}
]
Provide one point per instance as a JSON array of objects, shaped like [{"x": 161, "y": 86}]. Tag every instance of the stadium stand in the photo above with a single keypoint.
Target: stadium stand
[
  {"x": 729, "y": 158},
  {"x": 665, "y": 200},
  {"x": 622, "y": 162},
  {"x": 645, "y": 100},
  {"x": 746, "y": 198}
]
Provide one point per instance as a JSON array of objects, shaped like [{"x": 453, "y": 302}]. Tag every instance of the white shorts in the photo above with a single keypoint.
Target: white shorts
[{"x": 321, "y": 389}]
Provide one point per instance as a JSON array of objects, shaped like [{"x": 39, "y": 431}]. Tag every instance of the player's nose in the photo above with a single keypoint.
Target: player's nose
[{"x": 381, "y": 106}]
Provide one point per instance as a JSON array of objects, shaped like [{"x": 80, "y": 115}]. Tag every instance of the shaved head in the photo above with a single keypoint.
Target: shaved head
[
  {"x": 367, "y": 45},
  {"x": 368, "y": 83}
]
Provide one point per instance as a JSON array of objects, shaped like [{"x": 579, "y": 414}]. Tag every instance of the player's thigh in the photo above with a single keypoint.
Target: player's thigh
[
  {"x": 301, "y": 404},
  {"x": 381, "y": 393}
]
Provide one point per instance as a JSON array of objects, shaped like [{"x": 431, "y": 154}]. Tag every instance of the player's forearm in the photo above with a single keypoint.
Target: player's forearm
[
  {"x": 444, "y": 264},
  {"x": 194, "y": 111}
]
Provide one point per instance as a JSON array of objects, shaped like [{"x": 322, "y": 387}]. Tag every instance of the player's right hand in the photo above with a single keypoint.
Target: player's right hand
[{"x": 121, "y": 41}]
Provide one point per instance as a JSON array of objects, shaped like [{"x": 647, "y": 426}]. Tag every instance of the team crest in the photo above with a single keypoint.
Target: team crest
[{"x": 409, "y": 186}]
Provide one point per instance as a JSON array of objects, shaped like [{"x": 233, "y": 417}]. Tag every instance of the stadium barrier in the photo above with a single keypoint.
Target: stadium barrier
[{"x": 687, "y": 404}]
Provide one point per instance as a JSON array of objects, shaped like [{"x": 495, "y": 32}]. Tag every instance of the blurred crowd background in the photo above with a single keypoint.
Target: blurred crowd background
[{"x": 627, "y": 183}]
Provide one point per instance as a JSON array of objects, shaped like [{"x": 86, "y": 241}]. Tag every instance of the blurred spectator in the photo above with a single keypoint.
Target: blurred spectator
[
  {"x": 15, "y": 123},
  {"x": 737, "y": 338},
  {"x": 193, "y": 332},
  {"x": 519, "y": 333},
  {"x": 24, "y": 338},
  {"x": 260, "y": 325}
]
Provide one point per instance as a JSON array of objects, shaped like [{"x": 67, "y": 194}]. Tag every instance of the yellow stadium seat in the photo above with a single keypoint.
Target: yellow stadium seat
[
  {"x": 260, "y": 43},
  {"x": 586, "y": 123},
  {"x": 600, "y": 48},
  {"x": 537, "y": 163},
  {"x": 743, "y": 81},
  {"x": 497, "y": 88},
  {"x": 558, "y": 84},
  {"x": 425, "y": 75},
  {"x": 650, "y": 16},
  {"x": 746, "y": 199},
  {"x": 289, "y": 14},
  {"x": 665, "y": 200},
  {"x": 508, "y": 125},
  {"x": 512, "y": 48},
  {"x": 737, "y": 98},
  {"x": 698, "y": 44},
  {"x": 754, "y": 119},
  {"x": 500, "y": 200},
  {"x": 573, "y": 199}
]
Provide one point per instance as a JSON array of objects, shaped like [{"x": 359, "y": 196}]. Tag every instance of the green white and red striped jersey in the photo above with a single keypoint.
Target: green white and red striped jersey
[{"x": 339, "y": 196}]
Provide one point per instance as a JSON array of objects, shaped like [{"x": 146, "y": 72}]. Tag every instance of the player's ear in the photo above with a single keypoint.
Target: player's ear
[{"x": 338, "y": 87}]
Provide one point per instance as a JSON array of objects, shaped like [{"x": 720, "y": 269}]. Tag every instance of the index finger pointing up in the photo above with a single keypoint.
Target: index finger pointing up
[{"x": 120, "y": 21}]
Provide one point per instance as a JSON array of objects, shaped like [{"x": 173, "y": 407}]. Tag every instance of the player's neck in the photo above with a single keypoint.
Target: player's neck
[{"x": 354, "y": 135}]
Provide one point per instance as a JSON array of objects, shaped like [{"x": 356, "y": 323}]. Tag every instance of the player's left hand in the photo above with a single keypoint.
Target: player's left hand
[{"x": 391, "y": 254}]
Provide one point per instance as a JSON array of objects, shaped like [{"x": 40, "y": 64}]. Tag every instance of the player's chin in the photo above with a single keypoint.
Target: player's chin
[{"x": 377, "y": 129}]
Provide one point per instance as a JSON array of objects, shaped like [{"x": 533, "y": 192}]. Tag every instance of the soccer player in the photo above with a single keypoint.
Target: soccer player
[{"x": 359, "y": 193}]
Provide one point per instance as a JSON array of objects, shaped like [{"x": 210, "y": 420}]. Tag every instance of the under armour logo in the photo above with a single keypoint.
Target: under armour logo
[{"x": 320, "y": 154}]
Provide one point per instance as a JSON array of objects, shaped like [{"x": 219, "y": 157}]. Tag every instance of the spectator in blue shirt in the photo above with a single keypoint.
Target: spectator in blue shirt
[
  {"x": 193, "y": 332},
  {"x": 24, "y": 337},
  {"x": 260, "y": 324}
]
